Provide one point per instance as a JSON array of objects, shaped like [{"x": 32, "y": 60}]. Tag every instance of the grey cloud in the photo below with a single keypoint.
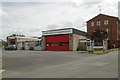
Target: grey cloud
[
  {"x": 21, "y": 4},
  {"x": 59, "y": 25},
  {"x": 79, "y": 24},
  {"x": 85, "y": 4},
  {"x": 33, "y": 0},
  {"x": 66, "y": 24},
  {"x": 91, "y": 4},
  {"x": 34, "y": 30},
  {"x": 53, "y": 26}
]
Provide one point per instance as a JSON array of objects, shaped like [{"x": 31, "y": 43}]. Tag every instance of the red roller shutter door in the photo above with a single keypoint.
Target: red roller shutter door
[
  {"x": 57, "y": 48},
  {"x": 12, "y": 41},
  {"x": 57, "y": 39}
]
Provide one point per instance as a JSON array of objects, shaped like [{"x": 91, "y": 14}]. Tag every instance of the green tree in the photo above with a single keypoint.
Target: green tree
[
  {"x": 19, "y": 35},
  {"x": 99, "y": 34},
  {"x": 3, "y": 43},
  {"x": 15, "y": 35}
]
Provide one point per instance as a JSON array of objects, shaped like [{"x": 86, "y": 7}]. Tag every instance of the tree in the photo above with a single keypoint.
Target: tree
[
  {"x": 19, "y": 35},
  {"x": 99, "y": 35},
  {"x": 3, "y": 43}
]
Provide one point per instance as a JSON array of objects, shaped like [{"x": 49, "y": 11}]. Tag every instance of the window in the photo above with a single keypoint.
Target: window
[
  {"x": 98, "y": 22},
  {"x": 63, "y": 44},
  {"x": 107, "y": 30},
  {"x": 92, "y": 23},
  {"x": 105, "y": 22},
  {"x": 37, "y": 43},
  {"x": 58, "y": 44}
]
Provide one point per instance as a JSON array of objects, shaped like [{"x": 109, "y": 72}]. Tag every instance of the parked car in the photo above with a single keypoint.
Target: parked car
[{"x": 11, "y": 47}]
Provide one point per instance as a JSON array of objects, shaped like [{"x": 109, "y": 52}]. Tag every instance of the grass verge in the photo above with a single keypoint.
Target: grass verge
[{"x": 101, "y": 51}]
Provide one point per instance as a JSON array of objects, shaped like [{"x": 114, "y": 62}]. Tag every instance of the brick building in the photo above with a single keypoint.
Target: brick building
[
  {"x": 24, "y": 43},
  {"x": 105, "y": 22}
]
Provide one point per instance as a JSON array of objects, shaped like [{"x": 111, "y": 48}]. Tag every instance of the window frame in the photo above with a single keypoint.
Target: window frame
[
  {"x": 106, "y": 22},
  {"x": 98, "y": 22},
  {"x": 92, "y": 23}
]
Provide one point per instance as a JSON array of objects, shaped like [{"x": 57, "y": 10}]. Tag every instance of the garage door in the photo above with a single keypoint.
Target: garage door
[{"x": 57, "y": 42}]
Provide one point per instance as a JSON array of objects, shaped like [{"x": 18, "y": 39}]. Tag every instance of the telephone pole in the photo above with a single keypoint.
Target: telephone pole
[{"x": 99, "y": 9}]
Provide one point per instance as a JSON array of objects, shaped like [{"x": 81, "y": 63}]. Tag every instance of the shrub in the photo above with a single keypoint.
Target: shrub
[
  {"x": 23, "y": 48},
  {"x": 31, "y": 48}
]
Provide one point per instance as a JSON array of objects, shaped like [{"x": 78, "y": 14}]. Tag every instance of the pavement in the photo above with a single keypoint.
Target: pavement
[
  {"x": 59, "y": 64},
  {"x": 1, "y": 70}
]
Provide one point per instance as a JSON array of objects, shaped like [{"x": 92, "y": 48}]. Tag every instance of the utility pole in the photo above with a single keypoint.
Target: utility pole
[{"x": 99, "y": 9}]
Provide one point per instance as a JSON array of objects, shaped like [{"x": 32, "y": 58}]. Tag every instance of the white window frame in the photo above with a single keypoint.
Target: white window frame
[
  {"x": 98, "y": 23},
  {"x": 105, "y": 22},
  {"x": 92, "y": 23}
]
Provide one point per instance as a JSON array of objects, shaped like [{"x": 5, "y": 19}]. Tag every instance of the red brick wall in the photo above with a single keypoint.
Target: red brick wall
[{"x": 111, "y": 26}]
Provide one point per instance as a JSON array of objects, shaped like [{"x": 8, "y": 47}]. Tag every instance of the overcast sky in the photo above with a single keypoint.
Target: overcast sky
[{"x": 30, "y": 18}]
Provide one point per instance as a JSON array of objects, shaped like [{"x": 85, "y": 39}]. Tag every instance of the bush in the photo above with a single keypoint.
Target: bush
[
  {"x": 90, "y": 51},
  {"x": 101, "y": 51},
  {"x": 23, "y": 48},
  {"x": 81, "y": 47},
  {"x": 31, "y": 48}
]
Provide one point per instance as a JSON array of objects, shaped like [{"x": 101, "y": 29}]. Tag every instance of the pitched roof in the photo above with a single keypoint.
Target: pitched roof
[{"x": 103, "y": 15}]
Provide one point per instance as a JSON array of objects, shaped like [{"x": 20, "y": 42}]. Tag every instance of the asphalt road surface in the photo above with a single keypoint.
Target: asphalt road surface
[{"x": 59, "y": 64}]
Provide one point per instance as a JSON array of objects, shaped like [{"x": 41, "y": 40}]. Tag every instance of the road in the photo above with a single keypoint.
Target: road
[{"x": 59, "y": 64}]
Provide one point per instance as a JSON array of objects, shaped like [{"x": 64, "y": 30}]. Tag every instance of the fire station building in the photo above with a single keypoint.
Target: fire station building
[
  {"x": 62, "y": 39},
  {"x": 25, "y": 43}
]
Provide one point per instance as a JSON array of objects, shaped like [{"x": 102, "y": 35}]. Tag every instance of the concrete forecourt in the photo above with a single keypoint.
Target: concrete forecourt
[{"x": 59, "y": 64}]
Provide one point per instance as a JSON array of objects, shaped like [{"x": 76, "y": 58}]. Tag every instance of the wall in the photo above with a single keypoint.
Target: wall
[
  {"x": 76, "y": 41},
  {"x": 70, "y": 42},
  {"x": 43, "y": 43}
]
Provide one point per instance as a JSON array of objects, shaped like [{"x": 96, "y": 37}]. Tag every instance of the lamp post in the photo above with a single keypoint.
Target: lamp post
[{"x": 111, "y": 36}]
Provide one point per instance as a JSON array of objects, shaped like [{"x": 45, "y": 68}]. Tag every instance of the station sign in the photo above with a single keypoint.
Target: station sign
[
  {"x": 55, "y": 32},
  {"x": 11, "y": 37}
]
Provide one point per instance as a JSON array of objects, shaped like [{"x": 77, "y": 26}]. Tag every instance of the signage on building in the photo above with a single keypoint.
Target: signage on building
[
  {"x": 66, "y": 31},
  {"x": 11, "y": 37},
  {"x": 27, "y": 39}
]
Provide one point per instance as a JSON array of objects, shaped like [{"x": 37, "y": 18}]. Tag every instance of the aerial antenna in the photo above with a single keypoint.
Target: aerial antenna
[{"x": 99, "y": 9}]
